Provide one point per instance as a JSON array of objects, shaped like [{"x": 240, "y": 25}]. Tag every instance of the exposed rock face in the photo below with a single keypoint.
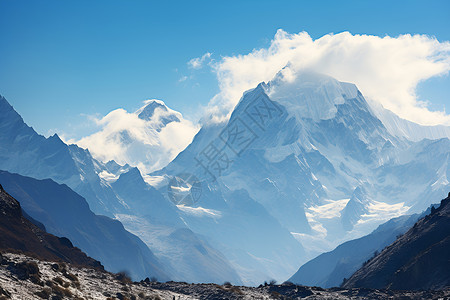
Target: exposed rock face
[{"x": 420, "y": 259}]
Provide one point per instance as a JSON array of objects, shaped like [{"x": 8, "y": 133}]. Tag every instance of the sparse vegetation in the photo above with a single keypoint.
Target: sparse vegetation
[
  {"x": 45, "y": 293},
  {"x": 61, "y": 291},
  {"x": 123, "y": 277},
  {"x": 27, "y": 270},
  {"x": 55, "y": 267},
  {"x": 227, "y": 284},
  {"x": 370, "y": 259},
  {"x": 70, "y": 276},
  {"x": 276, "y": 295},
  {"x": 4, "y": 293},
  {"x": 58, "y": 280}
]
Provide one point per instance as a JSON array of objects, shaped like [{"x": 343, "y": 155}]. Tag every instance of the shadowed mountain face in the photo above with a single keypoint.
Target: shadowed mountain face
[
  {"x": 329, "y": 269},
  {"x": 419, "y": 259},
  {"x": 20, "y": 234},
  {"x": 65, "y": 213}
]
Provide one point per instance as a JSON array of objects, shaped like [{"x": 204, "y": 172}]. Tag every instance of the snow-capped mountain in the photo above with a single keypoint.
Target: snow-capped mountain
[
  {"x": 302, "y": 165},
  {"x": 312, "y": 153},
  {"x": 113, "y": 190},
  {"x": 149, "y": 138}
]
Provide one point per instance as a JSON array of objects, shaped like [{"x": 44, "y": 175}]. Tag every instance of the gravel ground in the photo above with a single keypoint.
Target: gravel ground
[{"x": 22, "y": 277}]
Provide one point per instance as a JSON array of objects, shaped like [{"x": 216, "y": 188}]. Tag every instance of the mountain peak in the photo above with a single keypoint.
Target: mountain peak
[
  {"x": 309, "y": 94},
  {"x": 8, "y": 111},
  {"x": 155, "y": 110},
  {"x": 147, "y": 111},
  {"x": 55, "y": 138}
]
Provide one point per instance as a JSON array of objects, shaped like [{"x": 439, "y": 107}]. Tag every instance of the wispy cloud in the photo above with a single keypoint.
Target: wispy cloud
[
  {"x": 182, "y": 79},
  {"x": 199, "y": 62},
  {"x": 385, "y": 69}
]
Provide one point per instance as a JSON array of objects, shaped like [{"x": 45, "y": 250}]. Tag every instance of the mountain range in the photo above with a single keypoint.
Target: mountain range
[
  {"x": 314, "y": 155},
  {"x": 111, "y": 189},
  {"x": 302, "y": 165}
]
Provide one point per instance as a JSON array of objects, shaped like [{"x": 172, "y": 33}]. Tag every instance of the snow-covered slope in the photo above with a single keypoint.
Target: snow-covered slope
[
  {"x": 148, "y": 138},
  {"x": 404, "y": 128},
  {"x": 311, "y": 152}
]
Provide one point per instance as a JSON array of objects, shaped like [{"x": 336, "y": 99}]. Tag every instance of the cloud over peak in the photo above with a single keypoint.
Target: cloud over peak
[
  {"x": 386, "y": 69},
  {"x": 148, "y": 138}
]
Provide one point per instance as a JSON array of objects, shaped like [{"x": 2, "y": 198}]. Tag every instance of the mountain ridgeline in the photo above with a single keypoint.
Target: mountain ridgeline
[
  {"x": 417, "y": 260},
  {"x": 331, "y": 268}
]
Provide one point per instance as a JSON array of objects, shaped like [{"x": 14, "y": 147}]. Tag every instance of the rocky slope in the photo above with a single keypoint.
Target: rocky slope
[
  {"x": 17, "y": 233},
  {"x": 419, "y": 259},
  {"x": 50, "y": 280}
]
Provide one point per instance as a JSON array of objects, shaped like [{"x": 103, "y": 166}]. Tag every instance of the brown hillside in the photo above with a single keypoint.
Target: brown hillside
[{"x": 18, "y": 234}]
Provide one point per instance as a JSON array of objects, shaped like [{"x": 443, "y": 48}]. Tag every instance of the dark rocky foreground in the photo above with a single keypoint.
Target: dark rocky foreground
[
  {"x": 289, "y": 291},
  {"x": 23, "y": 277}
]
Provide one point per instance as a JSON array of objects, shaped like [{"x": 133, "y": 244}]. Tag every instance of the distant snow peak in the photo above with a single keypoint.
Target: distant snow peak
[
  {"x": 148, "y": 138},
  {"x": 156, "y": 111}
]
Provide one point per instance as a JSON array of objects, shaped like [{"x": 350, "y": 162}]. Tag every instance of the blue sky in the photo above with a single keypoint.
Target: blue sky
[{"x": 62, "y": 60}]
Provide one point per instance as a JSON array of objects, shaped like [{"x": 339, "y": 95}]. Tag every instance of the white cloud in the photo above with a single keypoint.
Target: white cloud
[
  {"x": 198, "y": 62},
  {"x": 385, "y": 69},
  {"x": 183, "y": 78},
  {"x": 126, "y": 138}
]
